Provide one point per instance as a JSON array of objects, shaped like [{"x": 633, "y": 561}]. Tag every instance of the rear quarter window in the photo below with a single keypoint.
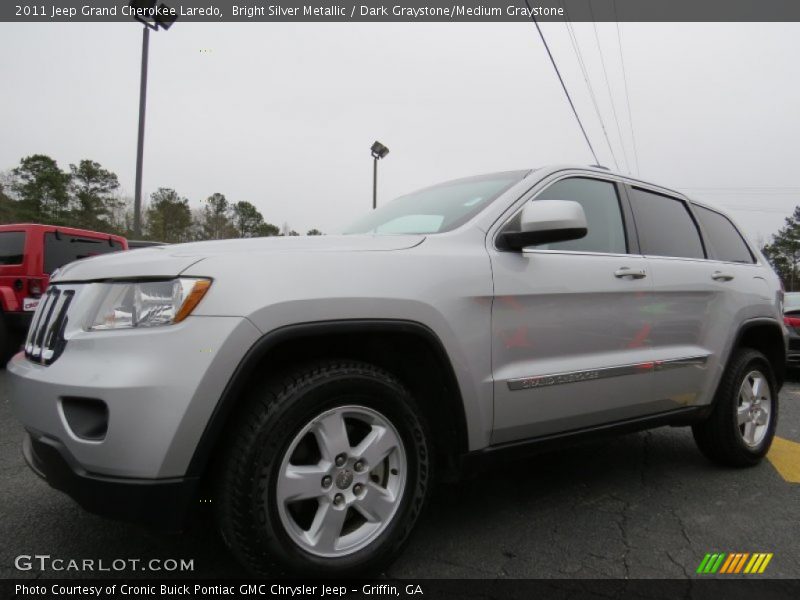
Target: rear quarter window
[
  {"x": 724, "y": 240},
  {"x": 12, "y": 247}
]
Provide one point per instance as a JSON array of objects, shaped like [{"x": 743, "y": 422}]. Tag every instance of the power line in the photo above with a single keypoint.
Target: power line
[
  {"x": 584, "y": 70},
  {"x": 754, "y": 188},
  {"x": 776, "y": 211},
  {"x": 608, "y": 87},
  {"x": 627, "y": 95},
  {"x": 563, "y": 85}
]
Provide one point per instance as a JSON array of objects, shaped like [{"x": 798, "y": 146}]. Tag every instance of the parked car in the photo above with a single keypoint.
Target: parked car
[
  {"x": 134, "y": 244},
  {"x": 791, "y": 318},
  {"x": 313, "y": 387},
  {"x": 28, "y": 255}
]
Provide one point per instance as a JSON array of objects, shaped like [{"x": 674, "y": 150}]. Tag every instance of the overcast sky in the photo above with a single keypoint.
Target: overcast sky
[{"x": 283, "y": 115}]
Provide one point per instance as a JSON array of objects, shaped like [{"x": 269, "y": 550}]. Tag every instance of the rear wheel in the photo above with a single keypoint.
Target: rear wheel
[
  {"x": 741, "y": 427},
  {"x": 327, "y": 473}
]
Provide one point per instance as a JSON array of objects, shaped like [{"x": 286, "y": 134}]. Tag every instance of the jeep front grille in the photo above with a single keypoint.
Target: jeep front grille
[{"x": 45, "y": 341}]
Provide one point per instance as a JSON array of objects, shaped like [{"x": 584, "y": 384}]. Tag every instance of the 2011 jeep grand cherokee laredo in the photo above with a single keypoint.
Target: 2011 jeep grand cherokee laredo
[{"x": 315, "y": 386}]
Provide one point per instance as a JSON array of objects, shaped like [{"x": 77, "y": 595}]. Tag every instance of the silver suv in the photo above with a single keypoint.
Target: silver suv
[{"x": 314, "y": 387}]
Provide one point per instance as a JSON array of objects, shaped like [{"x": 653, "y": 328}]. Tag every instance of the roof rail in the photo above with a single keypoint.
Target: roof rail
[{"x": 600, "y": 167}]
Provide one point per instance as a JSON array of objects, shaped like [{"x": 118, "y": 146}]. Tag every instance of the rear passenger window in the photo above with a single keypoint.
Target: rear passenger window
[
  {"x": 725, "y": 242},
  {"x": 665, "y": 226},
  {"x": 62, "y": 249},
  {"x": 605, "y": 229}
]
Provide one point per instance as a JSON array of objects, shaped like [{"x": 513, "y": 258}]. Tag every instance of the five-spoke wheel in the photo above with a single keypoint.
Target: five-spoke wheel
[
  {"x": 326, "y": 472},
  {"x": 340, "y": 481},
  {"x": 754, "y": 409},
  {"x": 740, "y": 428}
]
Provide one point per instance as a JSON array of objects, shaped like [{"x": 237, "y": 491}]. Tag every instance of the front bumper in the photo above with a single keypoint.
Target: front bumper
[
  {"x": 159, "y": 388},
  {"x": 161, "y": 503}
]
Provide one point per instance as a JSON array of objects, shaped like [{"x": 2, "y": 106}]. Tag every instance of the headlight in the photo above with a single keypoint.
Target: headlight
[{"x": 147, "y": 303}]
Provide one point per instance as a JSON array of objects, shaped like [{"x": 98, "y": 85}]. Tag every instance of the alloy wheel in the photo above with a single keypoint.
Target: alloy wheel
[
  {"x": 341, "y": 481},
  {"x": 754, "y": 408}
]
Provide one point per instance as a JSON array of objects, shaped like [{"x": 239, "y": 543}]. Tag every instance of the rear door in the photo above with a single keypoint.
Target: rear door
[
  {"x": 570, "y": 323},
  {"x": 692, "y": 307},
  {"x": 735, "y": 270}
]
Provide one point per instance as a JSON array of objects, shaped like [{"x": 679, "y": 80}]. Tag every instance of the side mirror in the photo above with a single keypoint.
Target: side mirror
[{"x": 547, "y": 221}]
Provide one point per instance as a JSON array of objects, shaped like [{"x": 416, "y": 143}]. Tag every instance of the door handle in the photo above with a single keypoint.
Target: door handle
[
  {"x": 623, "y": 272},
  {"x": 720, "y": 276}
]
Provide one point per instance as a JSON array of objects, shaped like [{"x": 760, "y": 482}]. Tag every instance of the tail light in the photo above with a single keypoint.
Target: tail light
[
  {"x": 35, "y": 287},
  {"x": 791, "y": 321}
]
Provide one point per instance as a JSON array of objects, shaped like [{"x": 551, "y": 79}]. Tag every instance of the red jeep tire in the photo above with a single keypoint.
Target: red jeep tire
[{"x": 10, "y": 341}]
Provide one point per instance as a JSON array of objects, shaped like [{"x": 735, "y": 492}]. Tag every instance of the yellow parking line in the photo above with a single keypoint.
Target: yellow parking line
[{"x": 785, "y": 457}]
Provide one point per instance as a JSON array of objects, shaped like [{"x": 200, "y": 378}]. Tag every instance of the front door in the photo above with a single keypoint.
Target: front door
[{"x": 570, "y": 323}]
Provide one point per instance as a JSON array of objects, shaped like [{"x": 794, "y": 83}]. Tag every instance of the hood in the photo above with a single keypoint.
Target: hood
[{"x": 171, "y": 261}]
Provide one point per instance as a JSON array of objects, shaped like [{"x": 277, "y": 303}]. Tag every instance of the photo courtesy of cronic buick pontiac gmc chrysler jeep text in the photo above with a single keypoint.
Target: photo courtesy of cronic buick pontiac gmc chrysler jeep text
[{"x": 314, "y": 387}]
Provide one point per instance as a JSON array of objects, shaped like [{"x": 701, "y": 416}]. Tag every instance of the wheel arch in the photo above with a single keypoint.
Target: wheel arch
[
  {"x": 766, "y": 336},
  {"x": 411, "y": 351}
]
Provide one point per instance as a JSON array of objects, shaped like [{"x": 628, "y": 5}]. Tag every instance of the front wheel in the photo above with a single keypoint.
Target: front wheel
[
  {"x": 741, "y": 427},
  {"x": 327, "y": 472}
]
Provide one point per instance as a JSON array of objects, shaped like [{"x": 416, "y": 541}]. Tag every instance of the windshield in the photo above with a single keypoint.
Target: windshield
[
  {"x": 438, "y": 208},
  {"x": 12, "y": 245}
]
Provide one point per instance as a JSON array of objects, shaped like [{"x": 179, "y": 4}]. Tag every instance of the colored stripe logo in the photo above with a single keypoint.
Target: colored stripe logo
[{"x": 734, "y": 563}]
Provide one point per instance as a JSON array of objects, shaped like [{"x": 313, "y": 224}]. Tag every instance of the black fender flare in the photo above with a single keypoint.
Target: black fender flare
[
  {"x": 247, "y": 367},
  {"x": 780, "y": 367}
]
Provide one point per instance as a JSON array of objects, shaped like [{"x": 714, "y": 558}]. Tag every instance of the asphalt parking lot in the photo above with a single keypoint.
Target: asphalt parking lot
[{"x": 645, "y": 505}]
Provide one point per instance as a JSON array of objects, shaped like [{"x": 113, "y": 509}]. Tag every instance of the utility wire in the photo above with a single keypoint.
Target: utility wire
[
  {"x": 627, "y": 95},
  {"x": 563, "y": 85},
  {"x": 750, "y": 189},
  {"x": 585, "y": 71},
  {"x": 608, "y": 87}
]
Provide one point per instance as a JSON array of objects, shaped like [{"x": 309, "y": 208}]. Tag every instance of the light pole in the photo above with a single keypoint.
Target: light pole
[
  {"x": 378, "y": 152},
  {"x": 146, "y": 13}
]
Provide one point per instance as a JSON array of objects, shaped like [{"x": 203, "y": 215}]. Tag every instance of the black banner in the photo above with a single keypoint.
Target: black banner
[
  {"x": 215, "y": 11},
  {"x": 735, "y": 588}
]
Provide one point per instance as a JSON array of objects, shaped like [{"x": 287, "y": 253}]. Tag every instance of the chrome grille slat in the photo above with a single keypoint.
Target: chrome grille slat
[
  {"x": 48, "y": 330},
  {"x": 43, "y": 328},
  {"x": 45, "y": 340},
  {"x": 36, "y": 320}
]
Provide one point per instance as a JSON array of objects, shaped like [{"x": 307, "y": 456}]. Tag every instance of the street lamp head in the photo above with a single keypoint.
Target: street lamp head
[
  {"x": 142, "y": 11},
  {"x": 379, "y": 150},
  {"x": 147, "y": 14},
  {"x": 165, "y": 19}
]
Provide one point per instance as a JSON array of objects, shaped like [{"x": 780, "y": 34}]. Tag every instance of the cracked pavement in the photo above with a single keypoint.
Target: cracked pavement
[{"x": 645, "y": 505}]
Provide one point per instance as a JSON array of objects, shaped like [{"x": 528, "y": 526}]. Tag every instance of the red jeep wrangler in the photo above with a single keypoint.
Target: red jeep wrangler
[{"x": 28, "y": 254}]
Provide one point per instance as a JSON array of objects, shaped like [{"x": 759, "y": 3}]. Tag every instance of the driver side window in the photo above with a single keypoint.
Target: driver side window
[{"x": 600, "y": 202}]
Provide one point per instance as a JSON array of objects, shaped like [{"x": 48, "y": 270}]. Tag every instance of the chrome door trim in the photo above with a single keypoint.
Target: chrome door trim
[{"x": 537, "y": 381}]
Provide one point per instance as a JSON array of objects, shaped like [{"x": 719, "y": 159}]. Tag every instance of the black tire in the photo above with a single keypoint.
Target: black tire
[
  {"x": 719, "y": 437},
  {"x": 10, "y": 342},
  {"x": 260, "y": 436}
]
